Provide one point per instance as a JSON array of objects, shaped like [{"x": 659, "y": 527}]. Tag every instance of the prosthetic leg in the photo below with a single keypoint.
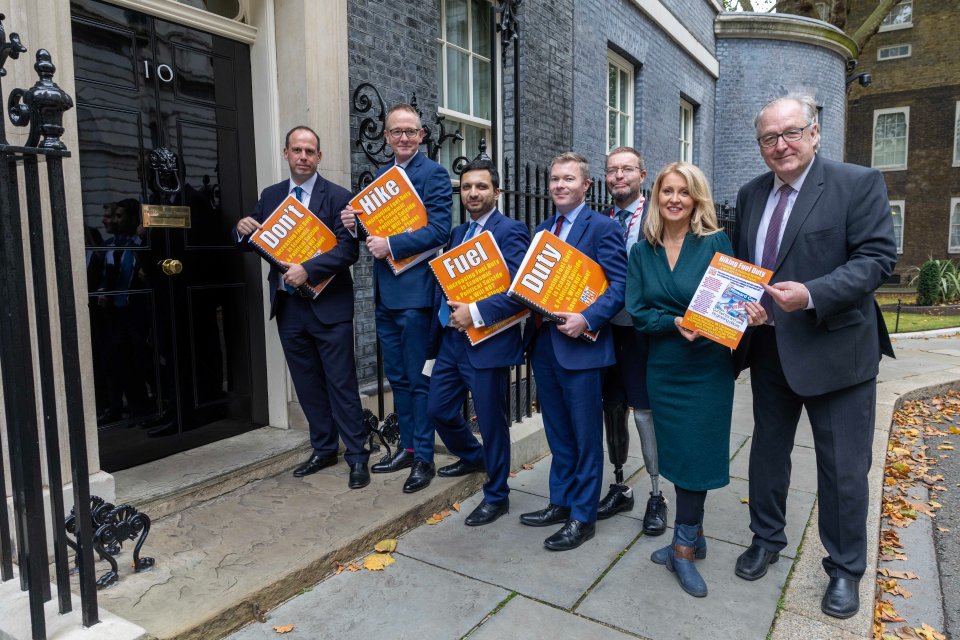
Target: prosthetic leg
[
  {"x": 655, "y": 517},
  {"x": 620, "y": 496}
]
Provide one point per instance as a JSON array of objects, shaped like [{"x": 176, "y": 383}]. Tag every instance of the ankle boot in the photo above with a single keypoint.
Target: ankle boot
[
  {"x": 681, "y": 560},
  {"x": 699, "y": 550}
]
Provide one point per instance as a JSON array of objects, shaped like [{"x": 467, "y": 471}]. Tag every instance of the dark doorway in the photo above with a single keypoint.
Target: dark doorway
[{"x": 177, "y": 352}]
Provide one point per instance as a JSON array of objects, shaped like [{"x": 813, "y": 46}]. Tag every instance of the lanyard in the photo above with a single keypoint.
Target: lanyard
[{"x": 633, "y": 218}]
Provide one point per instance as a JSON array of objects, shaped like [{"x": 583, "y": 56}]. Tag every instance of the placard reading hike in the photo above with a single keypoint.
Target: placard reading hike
[
  {"x": 390, "y": 205},
  {"x": 472, "y": 271},
  {"x": 555, "y": 276},
  {"x": 293, "y": 234},
  {"x": 718, "y": 308}
]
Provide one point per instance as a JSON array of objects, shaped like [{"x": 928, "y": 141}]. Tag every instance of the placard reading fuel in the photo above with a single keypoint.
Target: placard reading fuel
[
  {"x": 390, "y": 205},
  {"x": 472, "y": 271},
  {"x": 293, "y": 234},
  {"x": 555, "y": 276}
]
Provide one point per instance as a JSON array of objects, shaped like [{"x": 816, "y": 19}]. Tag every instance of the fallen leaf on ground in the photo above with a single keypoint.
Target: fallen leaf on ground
[
  {"x": 386, "y": 546},
  {"x": 378, "y": 561},
  {"x": 744, "y": 500},
  {"x": 945, "y": 447},
  {"x": 283, "y": 628},
  {"x": 901, "y": 575},
  {"x": 928, "y": 633},
  {"x": 943, "y": 529},
  {"x": 456, "y": 506},
  {"x": 887, "y": 613}
]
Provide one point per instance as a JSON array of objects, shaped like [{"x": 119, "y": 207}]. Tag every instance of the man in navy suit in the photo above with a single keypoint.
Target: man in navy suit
[
  {"x": 483, "y": 369},
  {"x": 404, "y": 304},
  {"x": 569, "y": 370},
  {"x": 825, "y": 230},
  {"x": 317, "y": 335}
]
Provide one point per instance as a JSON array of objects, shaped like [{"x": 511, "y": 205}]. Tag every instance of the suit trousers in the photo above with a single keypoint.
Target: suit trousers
[
  {"x": 572, "y": 419},
  {"x": 843, "y": 424},
  {"x": 320, "y": 358},
  {"x": 452, "y": 376},
  {"x": 403, "y": 339}
]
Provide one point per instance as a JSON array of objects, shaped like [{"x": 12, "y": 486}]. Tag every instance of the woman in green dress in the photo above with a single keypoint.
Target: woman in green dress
[{"x": 689, "y": 378}]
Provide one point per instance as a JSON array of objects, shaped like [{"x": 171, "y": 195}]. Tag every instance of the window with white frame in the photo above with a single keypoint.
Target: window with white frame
[
  {"x": 894, "y": 51},
  {"x": 686, "y": 131},
  {"x": 619, "y": 102},
  {"x": 890, "y": 130},
  {"x": 954, "y": 225},
  {"x": 956, "y": 137},
  {"x": 900, "y": 17},
  {"x": 465, "y": 48},
  {"x": 896, "y": 210}
]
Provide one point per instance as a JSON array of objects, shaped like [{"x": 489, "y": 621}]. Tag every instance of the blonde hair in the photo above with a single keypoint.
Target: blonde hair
[{"x": 703, "y": 220}]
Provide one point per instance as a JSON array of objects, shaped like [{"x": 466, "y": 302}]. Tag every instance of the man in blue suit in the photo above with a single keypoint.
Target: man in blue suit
[
  {"x": 317, "y": 335},
  {"x": 569, "y": 370},
  {"x": 404, "y": 304},
  {"x": 483, "y": 369}
]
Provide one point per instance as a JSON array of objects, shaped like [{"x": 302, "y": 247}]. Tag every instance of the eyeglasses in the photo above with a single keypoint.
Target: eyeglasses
[
  {"x": 396, "y": 134},
  {"x": 790, "y": 135},
  {"x": 627, "y": 171}
]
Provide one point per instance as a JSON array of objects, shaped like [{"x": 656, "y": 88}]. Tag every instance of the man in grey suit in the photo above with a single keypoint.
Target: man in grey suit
[{"x": 826, "y": 230}]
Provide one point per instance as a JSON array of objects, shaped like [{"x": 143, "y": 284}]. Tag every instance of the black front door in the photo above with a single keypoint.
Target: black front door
[{"x": 164, "y": 117}]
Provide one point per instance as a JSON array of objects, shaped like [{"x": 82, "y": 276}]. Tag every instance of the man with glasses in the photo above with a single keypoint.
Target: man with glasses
[
  {"x": 404, "y": 302},
  {"x": 825, "y": 230},
  {"x": 625, "y": 383}
]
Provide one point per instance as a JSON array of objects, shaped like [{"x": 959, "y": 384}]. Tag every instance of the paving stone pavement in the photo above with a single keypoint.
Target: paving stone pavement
[{"x": 456, "y": 582}]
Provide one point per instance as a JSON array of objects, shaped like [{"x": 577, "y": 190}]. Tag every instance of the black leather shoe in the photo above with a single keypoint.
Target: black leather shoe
[
  {"x": 655, "y": 517},
  {"x": 359, "y": 475},
  {"x": 485, "y": 513},
  {"x": 401, "y": 459},
  {"x": 421, "y": 473},
  {"x": 314, "y": 464},
  {"x": 752, "y": 563},
  {"x": 614, "y": 502},
  {"x": 553, "y": 514},
  {"x": 459, "y": 468},
  {"x": 842, "y": 598},
  {"x": 571, "y": 535}
]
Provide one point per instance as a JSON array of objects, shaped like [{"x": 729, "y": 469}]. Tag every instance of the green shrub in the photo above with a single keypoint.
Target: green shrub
[{"x": 938, "y": 281}]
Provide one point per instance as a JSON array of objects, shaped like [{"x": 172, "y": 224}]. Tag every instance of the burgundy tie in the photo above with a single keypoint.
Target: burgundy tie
[
  {"x": 771, "y": 244},
  {"x": 556, "y": 229}
]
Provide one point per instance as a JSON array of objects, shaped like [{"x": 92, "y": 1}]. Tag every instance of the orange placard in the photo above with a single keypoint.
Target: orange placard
[
  {"x": 472, "y": 271},
  {"x": 718, "y": 307},
  {"x": 293, "y": 234},
  {"x": 556, "y": 276},
  {"x": 389, "y": 206}
]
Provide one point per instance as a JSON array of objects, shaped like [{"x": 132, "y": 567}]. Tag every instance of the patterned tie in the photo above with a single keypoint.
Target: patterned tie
[
  {"x": 444, "y": 313},
  {"x": 771, "y": 244},
  {"x": 298, "y": 194},
  {"x": 622, "y": 217}
]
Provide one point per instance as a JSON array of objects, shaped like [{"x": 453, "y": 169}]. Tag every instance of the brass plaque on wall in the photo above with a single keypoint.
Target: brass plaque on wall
[{"x": 165, "y": 215}]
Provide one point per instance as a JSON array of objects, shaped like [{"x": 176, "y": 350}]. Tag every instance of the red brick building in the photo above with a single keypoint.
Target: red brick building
[{"x": 907, "y": 123}]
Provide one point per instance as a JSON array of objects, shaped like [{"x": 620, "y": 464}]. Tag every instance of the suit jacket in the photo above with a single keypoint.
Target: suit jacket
[
  {"x": 600, "y": 238},
  {"x": 839, "y": 242},
  {"x": 636, "y": 234},
  {"x": 413, "y": 289},
  {"x": 506, "y": 348},
  {"x": 335, "y": 303}
]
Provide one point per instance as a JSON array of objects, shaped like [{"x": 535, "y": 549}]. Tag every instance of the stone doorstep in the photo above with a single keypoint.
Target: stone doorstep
[{"x": 188, "y": 598}]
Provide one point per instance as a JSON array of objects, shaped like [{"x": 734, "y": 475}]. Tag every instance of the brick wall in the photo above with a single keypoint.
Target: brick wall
[
  {"x": 663, "y": 74},
  {"x": 748, "y": 80},
  {"x": 929, "y": 83}
]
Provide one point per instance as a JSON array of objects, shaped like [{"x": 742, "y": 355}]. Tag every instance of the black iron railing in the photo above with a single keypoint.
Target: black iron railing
[{"x": 41, "y": 109}]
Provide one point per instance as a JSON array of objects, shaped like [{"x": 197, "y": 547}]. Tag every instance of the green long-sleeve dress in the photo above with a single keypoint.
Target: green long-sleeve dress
[{"x": 690, "y": 383}]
